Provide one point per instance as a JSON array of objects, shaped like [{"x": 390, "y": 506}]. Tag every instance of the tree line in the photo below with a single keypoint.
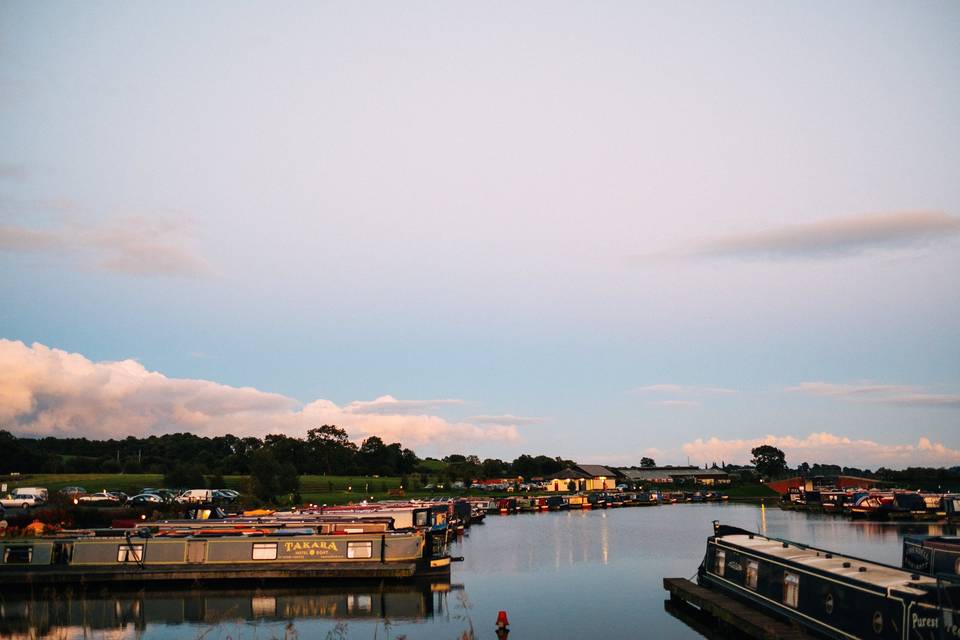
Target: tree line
[{"x": 181, "y": 457}]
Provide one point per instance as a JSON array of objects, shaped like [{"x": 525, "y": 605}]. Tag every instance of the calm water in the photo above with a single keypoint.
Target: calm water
[{"x": 576, "y": 574}]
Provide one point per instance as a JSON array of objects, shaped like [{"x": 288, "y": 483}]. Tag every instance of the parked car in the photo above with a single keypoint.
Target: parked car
[
  {"x": 146, "y": 500},
  {"x": 193, "y": 496},
  {"x": 167, "y": 495},
  {"x": 225, "y": 495},
  {"x": 73, "y": 492},
  {"x": 40, "y": 492},
  {"x": 119, "y": 495},
  {"x": 21, "y": 500},
  {"x": 100, "y": 497}
]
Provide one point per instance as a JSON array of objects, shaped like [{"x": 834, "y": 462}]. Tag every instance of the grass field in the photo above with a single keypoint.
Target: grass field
[{"x": 316, "y": 489}]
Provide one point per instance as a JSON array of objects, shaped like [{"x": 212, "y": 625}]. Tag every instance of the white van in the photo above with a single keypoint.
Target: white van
[
  {"x": 196, "y": 496},
  {"x": 39, "y": 492}
]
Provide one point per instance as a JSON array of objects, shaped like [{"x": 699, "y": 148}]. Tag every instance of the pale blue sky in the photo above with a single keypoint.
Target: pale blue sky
[{"x": 534, "y": 209}]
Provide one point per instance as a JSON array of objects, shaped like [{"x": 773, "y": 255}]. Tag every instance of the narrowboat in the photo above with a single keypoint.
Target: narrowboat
[
  {"x": 506, "y": 506},
  {"x": 951, "y": 507},
  {"x": 596, "y": 501},
  {"x": 913, "y": 506},
  {"x": 141, "y": 557},
  {"x": 646, "y": 499},
  {"x": 831, "y": 502},
  {"x": 526, "y": 505},
  {"x": 828, "y": 594},
  {"x": 577, "y": 502},
  {"x": 556, "y": 503},
  {"x": 936, "y": 555}
]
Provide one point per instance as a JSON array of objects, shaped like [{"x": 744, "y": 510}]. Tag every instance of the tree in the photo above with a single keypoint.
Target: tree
[
  {"x": 647, "y": 462},
  {"x": 331, "y": 450},
  {"x": 769, "y": 460},
  {"x": 269, "y": 478},
  {"x": 185, "y": 475}
]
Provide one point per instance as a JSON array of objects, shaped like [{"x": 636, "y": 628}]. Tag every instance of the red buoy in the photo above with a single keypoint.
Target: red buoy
[{"x": 502, "y": 622}]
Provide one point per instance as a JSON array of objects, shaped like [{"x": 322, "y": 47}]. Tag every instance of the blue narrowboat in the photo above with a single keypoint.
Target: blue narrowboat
[{"x": 828, "y": 594}]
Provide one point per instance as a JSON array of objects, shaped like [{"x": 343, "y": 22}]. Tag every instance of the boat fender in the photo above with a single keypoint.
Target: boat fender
[{"x": 456, "y": 558}]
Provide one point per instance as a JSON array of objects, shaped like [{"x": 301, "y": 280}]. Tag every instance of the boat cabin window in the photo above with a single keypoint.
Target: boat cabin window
[
  {"x": 752, "y": 572},
  {"x": 130, "y": 553},
  {"x": 420, "y": 519},
  {"x": 18, "y": 554},
  {"x": 791, "y": 589},
  {"x": 264, "y": 550},
  {"x": 719, "y": 562},
  {"x": 360, "y": 549}
]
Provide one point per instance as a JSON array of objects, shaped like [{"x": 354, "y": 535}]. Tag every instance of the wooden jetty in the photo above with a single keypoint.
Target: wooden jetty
[{"x": 730, "y": 612}]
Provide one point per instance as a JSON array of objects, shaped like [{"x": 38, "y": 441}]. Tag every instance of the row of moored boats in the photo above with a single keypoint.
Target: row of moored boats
[{"x": 873, "y": 504}]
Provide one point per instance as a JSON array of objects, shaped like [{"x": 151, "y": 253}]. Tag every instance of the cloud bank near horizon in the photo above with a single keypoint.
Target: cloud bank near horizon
[
  {"x": 872, "y": 393},
  {"x": 46, "y": 391},
  {"x": 826, "y": 448},
  {"x": 836, "y": 237},
  {"x": 136, "y": 245}
]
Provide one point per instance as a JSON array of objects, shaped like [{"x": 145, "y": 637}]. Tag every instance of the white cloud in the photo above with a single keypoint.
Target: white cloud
[
  {"x": 678, "y": 403},
  {"x": 826, "y": 448},
  {"x": 46, "y": 391},
  {"x": 388, "y": 405},
  {"x": 836, "y": 237},
  {"x": 869, "y": 392}
]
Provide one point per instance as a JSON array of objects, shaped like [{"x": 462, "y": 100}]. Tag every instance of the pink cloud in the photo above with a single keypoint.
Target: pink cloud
[
  {"x": 45, "y": 391},
  {"x": 826, "y": 448}
]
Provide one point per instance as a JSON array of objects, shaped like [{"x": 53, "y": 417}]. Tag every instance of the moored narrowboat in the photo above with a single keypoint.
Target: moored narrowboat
[
  {"x": 935, "y": 555},
  {"x": 828, "y": 594},
  {"x": 128, "y": 557}
]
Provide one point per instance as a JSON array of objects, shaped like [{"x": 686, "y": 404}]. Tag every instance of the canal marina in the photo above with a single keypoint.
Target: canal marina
[{"x": 557, "y": 574}]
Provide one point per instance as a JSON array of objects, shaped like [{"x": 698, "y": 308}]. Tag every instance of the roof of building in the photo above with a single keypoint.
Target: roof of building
[
  {"x": 596, "y": 470},
  {"x": 584, "y": 471},
  {"x": 650, "y": 473}
]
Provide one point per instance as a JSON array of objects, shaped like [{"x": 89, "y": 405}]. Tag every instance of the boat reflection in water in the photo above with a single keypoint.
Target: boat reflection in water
[{"x": 61, "y": 614}]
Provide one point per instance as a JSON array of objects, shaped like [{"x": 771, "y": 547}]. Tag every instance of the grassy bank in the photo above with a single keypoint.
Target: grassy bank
[{"x": 749, "y": 491}]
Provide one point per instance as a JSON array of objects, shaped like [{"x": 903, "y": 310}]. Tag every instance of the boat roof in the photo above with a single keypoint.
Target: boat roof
[{"x": 853, "y": 569}]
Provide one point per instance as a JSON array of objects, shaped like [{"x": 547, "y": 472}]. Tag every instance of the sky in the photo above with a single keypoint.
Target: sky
[{"x": 594, "y": 230}]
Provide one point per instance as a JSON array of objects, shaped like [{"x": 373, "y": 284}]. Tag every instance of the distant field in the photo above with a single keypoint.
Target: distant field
[{"x": 318, "y": 489}]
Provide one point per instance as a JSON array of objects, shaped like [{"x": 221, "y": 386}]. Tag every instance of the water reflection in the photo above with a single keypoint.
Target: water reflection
[{"x": 63, "y": 613}]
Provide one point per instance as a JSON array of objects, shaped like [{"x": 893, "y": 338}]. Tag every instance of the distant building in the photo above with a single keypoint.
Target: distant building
[
  {"x": 811, "y": 483},
  {"x": 676, "y": 475},
  {"x": 585, "y": 477}
]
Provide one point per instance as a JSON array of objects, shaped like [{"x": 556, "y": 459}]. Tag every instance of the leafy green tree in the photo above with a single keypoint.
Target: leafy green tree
[
  {"x": 331, "y": 450},
  {"x": 769, "y": 460},
  {"x": 269, "y": 478},
  {"x": 647, "y": 462},
  {"x": 185, "y": 475}
]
